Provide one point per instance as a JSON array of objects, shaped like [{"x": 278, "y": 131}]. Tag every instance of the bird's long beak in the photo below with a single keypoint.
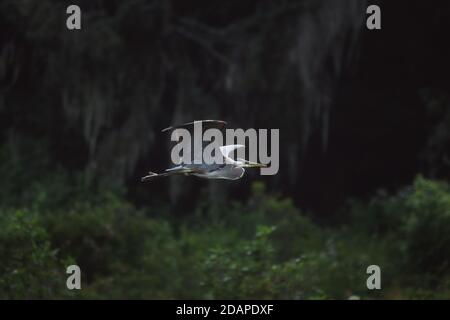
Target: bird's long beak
[{"x": 250, "y": 164}]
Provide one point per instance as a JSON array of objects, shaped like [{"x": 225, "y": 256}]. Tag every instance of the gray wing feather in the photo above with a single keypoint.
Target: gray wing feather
[{"x": 207, "y": 124}]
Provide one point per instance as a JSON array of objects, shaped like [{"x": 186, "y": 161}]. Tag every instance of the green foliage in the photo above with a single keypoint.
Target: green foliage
[
  {"x": 29, "y": 267},
  {"x": 264, "y": 248},
  {"x": 249, "y": 269},
  {"x": 413, "y": 228},
  {"x": 427, "y": 227}
]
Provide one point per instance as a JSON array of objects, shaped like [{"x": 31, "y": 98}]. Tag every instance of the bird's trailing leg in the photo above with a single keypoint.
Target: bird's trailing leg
[
  {"x": 171, "y": 172},
  {"x": 149, "y": 176},
  {"x": 152, "y": 175}
]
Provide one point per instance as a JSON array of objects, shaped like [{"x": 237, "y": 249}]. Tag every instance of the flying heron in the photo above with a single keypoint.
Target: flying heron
[{"x": 228, "y": 169}]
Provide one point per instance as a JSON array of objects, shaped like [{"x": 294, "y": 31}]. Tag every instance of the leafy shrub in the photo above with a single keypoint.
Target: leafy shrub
[
  {"x": 427, "y": 227},
  {"x": 29, "y": 267},
  {"x": 264, "y": 248},
  {"x": 413, "y": 230}
]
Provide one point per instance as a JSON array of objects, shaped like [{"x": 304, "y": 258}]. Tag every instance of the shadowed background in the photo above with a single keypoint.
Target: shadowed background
[{"x": 358, "y": 111}]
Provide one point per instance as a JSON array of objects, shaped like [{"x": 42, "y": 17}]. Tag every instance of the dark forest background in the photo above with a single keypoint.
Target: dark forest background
[{"x": 364, "y": 123}]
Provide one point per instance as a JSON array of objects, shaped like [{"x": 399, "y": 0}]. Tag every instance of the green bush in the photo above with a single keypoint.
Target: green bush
[
  {"x": 427, "y": 227},
  {"x": 412, "y": 229},
  {"x": 264, "y": 248},
  {"x": 29, "y": 266}
]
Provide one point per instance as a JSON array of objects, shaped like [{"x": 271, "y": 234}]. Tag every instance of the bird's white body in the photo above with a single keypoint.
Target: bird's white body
[{"x": 231, "y": 173}]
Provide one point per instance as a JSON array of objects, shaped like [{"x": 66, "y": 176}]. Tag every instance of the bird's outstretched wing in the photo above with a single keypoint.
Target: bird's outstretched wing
[
  {"x": 227, "y": 150},
  {"x": 193, "y": 152},
  {"x": 206, "y": 124}
]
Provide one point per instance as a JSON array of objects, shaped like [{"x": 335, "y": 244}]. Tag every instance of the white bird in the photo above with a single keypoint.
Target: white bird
[{"x": 228, "y": 169}]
